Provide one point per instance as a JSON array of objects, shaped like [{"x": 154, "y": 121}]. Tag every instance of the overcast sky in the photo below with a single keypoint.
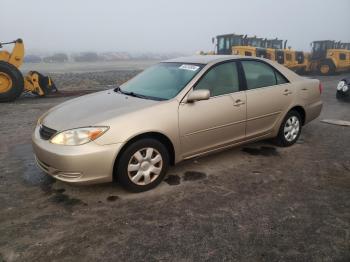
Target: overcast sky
[{"x": 168, "y": 26}]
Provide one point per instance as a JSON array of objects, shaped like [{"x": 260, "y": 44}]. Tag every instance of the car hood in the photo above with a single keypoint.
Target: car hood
[{"x": 93, "y": 109}]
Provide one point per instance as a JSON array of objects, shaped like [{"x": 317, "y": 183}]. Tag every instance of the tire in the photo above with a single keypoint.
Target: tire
[
  {"x": 282, "y": 138},
  {"x": 326, "y": 63},
  {"x": 142, "y": 165},
  {"x": 10, "y": 73}
]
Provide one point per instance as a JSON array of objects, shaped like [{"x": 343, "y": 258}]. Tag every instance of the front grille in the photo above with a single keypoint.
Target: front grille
[{"x": 46, "y": 133}]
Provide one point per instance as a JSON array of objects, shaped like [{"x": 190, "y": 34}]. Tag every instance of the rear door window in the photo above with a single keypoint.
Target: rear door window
[{"x": 259, "y": 74}]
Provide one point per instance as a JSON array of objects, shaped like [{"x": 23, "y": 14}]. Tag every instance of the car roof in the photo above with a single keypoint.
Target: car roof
[
  {"x": 213, "y": 59},
  {"x": 203, "y": 59}
]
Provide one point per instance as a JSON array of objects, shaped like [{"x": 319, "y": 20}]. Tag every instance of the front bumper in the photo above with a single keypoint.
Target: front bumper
[
  {"x": 84, "y": 164},
  {"x": 345, "y": 96}
]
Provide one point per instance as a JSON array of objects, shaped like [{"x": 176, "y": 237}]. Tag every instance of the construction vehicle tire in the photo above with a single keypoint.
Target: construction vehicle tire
[
  {"x": 326, "y": 68},
  {"x": 11, "y": 82}
]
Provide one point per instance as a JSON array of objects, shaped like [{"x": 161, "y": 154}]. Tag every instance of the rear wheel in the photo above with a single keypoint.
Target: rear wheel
[
  {"x": 143, "y": 165},
  {"x": 326, "y": 68},
  {"x": 290, "y": 129},
  {"x": 11, "y": 82}
]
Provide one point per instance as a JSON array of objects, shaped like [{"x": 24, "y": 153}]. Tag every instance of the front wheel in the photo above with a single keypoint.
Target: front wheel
[
  {"x": 326, "y": 68},
  {"x": 143, "y": 165},
  {"x": 290, "y": 129},
  {"x": 11, "y": 82}
]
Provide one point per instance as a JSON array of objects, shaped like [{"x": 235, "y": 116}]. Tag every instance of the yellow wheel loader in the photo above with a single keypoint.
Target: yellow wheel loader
[
  {"x": 326, "y": 58},
  {"x": 12, "y": 82},
  {"x": 329, "y": 57}
]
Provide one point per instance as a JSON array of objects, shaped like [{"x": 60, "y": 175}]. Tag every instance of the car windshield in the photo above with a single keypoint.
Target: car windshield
[{"x": 162, "y": 81}]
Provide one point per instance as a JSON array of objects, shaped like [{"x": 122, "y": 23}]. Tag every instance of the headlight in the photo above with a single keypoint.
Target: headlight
[
  {"x": 78, "y": 136},
  {"x": 341, "y": 84}
]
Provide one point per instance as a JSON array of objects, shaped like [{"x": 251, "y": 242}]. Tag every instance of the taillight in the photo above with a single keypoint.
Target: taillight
[{"x": 320, "y": 87}]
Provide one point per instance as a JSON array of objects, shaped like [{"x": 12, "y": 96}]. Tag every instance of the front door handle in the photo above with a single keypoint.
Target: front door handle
[
  {"x": 287, "y": 92},
  {"x": 238, "y": 102}
]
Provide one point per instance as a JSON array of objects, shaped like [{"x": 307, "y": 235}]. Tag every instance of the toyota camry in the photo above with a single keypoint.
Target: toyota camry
[{"x": 174, "y": 110}]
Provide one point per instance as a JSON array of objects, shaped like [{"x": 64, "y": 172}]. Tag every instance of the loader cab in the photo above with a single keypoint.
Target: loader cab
[
  {"x": 338, "y": 45},
  {"x": 254, "y": 41},
  {"x": 225, "y": 42},
  {"x": 319, "y": 49},
  {"x": 345, "y": 46},
  {"x": 274, "y": 43}
]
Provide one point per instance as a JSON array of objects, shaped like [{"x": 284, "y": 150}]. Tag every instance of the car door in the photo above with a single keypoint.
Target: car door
[
  {"x": 218, "y": 121},
  {"x": 268, "y": 95}
]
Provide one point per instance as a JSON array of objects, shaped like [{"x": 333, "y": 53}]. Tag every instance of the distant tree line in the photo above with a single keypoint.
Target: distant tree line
[
  {"x": 56, "y": 58},
  {"x": 94, "y": 57}
]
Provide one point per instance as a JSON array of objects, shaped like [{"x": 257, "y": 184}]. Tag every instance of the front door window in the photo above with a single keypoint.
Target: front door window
[{"x": 220, "y": 80}]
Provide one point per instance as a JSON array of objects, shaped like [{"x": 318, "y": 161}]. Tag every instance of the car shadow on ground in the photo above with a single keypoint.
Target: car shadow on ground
[{"x": 186, "y": 173}]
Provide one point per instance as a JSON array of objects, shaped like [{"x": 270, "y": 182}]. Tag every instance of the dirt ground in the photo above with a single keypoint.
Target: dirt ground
[
  {"x": 92, "y": 75},
  {"x": 256, "y": 202}
]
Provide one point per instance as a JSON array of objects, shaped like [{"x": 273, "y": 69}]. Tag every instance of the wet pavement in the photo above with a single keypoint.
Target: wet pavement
[{"x": 257, "y": 202}]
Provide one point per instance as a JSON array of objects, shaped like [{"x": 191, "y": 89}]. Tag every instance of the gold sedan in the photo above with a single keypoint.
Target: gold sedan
[{"x": 175, "y": 110}]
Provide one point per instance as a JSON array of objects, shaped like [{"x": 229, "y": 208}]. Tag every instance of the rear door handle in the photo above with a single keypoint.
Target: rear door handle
[
  {"x": 287, "y": 92},
  {"x": 238, "y": 102},
  {"x": 304, "y": 89}
]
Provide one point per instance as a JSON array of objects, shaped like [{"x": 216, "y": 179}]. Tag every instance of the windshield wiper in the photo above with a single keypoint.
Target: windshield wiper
[{"x": 119, "y": 90}]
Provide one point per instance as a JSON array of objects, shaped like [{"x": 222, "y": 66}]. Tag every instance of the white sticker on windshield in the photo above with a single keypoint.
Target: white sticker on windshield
[{"x": 189, "y": 67}]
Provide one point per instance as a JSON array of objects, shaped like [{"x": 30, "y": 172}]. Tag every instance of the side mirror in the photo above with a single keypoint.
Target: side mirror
[{"x": 197, "y": 95}]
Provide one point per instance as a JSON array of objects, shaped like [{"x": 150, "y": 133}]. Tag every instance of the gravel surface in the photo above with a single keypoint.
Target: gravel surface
[
  {"x": 256, "y": 202},
  {"x": 91, "y": 80}
]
